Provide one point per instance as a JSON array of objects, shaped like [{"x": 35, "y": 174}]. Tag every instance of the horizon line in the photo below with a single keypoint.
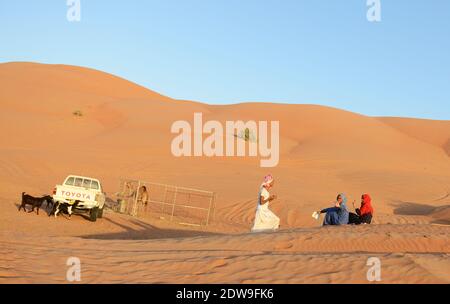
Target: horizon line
[{"x": 224, "y": 103}]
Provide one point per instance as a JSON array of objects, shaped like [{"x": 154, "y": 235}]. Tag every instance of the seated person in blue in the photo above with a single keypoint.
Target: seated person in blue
[{"x": 337, "y": 215}]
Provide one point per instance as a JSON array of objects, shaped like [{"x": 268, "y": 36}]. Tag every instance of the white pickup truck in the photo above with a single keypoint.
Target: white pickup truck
[{"x": 87, "y": 191}]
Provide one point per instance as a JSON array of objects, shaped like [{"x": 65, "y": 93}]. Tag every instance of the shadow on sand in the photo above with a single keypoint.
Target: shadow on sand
[
  {"x": 48, "y": 211},
  {"x": 145, "y": 231},
  {"x": 447, "y": 147},
  {"x": 440, "y": 215},
  {"x": 408, "y": 208}
]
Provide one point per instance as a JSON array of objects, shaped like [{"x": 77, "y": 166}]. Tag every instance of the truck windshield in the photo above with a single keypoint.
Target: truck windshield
[
  {"x": 70, "y": 181},
  {"x": 87, "y": 183},
  {"x": 78, "y": 182},
  {"x": 95, "y": 185},
  {"x": 82, "y": 182}
]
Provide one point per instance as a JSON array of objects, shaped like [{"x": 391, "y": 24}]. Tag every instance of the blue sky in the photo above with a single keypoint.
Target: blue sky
[{"x": 229, "y": 51}]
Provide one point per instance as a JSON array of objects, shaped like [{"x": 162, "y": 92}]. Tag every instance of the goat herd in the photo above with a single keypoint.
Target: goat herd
[{"x": 53, "y": 208}]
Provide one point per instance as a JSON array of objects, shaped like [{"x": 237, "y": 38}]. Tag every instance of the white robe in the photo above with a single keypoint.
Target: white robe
[{"x": 265, "y": 219}]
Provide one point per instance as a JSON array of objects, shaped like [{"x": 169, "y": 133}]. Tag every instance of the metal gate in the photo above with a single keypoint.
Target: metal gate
[{"x": 185, "y": 206}]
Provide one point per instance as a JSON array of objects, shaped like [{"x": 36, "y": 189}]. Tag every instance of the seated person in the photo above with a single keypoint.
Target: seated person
[
  {"x": 364, "y": 214},
  {"x": 337, "y": 215}
]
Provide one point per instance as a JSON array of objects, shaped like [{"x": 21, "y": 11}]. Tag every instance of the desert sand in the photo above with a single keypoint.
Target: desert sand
[{"x": 124, "y": 132}]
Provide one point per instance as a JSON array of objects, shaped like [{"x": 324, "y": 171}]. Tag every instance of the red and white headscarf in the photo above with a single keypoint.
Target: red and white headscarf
[{"x": 268, "y": 179}]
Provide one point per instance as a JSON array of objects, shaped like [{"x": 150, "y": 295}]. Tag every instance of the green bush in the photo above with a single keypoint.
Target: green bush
[{"x": 247, "y": 135}]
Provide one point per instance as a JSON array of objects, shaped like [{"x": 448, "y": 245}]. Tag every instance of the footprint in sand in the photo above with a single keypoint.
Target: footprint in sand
[
  {"x": 211, "y": 266},
  {"x": 284, "y": 245},
  {"x": 218, "y": 263}
]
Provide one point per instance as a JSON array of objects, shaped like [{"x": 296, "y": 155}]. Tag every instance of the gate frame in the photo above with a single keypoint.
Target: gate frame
[{"x": 211, "y": 209}]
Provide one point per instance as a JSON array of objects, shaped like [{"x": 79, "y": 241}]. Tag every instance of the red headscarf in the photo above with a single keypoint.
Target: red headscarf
[{"x": 366, "y": 205}]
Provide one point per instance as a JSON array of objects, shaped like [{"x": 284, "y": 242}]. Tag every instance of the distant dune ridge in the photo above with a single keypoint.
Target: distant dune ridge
[
  {"x": 123, "y": 130},
  {"x": 433, "y": 132}
]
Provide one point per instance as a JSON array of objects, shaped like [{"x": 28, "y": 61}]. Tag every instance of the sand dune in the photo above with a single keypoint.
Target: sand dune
[
  {"x": 124, "y": 131},
  {"x": 430, "y": 131}
]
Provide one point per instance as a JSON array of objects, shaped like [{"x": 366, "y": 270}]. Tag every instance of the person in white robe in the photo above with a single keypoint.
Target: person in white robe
[{"x": 265, "y": 219}]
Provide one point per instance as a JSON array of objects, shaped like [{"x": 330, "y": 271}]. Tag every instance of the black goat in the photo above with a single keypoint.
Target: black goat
[{"x": 35, "y": 202}]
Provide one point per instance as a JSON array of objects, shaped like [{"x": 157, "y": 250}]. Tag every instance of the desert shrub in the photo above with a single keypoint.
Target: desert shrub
[
  {"x": 78, "y": 113},
  {"x": 247, "y": 135}
]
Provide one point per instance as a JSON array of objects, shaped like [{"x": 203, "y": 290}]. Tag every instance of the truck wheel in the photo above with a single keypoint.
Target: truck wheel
[
  {"x": 93, "y": 214},
  {"x": 100, "y": 213}
]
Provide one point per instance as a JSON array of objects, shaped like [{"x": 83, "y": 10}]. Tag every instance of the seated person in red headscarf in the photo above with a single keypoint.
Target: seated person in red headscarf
[{"x": 364, "y": 214}]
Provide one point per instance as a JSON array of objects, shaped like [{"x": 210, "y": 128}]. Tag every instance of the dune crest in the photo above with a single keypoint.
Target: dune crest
[{"x": 434, "y": 132}]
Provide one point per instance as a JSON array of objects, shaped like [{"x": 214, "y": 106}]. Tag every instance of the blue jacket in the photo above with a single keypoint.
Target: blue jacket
[{"x": 335, "y": 215}]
